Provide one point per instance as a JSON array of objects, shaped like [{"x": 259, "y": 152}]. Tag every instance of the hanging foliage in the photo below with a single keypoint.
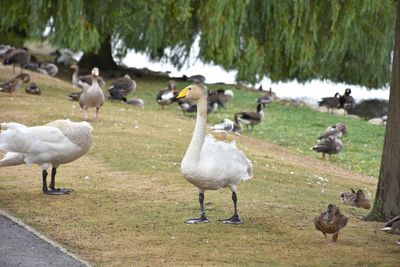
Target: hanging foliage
[{"x": 344, "y": 41}]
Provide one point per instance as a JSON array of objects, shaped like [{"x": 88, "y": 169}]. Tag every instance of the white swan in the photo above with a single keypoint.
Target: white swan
[
  {"x": 210, "y": 164},
  {"x": 55, "y": 143}
]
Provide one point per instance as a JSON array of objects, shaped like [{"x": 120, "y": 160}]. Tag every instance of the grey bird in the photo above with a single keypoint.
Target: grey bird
[
  {"x": 16, "y": 56},
  {"x": 92, "y": 95}
]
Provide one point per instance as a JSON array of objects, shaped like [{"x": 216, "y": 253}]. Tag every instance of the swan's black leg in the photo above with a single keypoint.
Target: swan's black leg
[
  {"x": 53, "y": 190},
  {"x": 203, "y": 217},
  {"x": 235, "y": 219},
  {"x": 44, "y": 176}
]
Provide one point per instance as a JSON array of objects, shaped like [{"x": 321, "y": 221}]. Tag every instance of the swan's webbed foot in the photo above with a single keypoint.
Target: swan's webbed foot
[
  {"x": 202, "y": 219},
  {"x": 58, "y": 191},
  {"x": 235, "y": 219}
]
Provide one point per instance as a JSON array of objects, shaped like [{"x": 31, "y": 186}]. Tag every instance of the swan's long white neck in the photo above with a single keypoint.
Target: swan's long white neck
[{"x": 194, "y": 149}]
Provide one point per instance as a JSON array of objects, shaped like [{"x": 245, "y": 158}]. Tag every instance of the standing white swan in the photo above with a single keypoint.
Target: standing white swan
[
  {"x": 210, "y": 164},
  {"x": 56, "y": 143}
]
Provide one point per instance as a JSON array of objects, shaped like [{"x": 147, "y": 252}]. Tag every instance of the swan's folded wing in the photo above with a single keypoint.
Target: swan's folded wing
[{"x": 34, "y": 140}]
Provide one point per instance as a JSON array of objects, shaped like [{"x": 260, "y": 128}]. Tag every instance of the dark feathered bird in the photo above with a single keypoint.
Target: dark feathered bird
[
  {"x": 357, "y": 199},
  {"x": 346, "y": 101},
  {"x": 330, "y": 102},
  {"x": 266, "y": 99},
  {"x": 331, "y": 221},
  {"x": 167, "y": 95},
  {"x": 121, "y": 87},
  {"x": 393, "y": 227},
  {"x": 74, "y": 96},
  {"x": 33, "y": 89},
  {"x": 330, "y": 145},
  {"x": 337, "y": 131},
  {"x": 16, "y": 56},
  {"x": 221, "y": 96},
  {"x": 14, "y": 84},
  {"x": 251, "y": 118}
]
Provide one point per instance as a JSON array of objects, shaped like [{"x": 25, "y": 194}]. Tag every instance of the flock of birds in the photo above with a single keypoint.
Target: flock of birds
[
  {"x": 208, "y": 164},
  {"x": 345, "y": 101}
]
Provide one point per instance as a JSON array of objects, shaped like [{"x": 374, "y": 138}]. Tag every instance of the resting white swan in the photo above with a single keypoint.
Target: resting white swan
[
  {"x": 209, "y": 164},
  {"x": 55, "y": 143}
]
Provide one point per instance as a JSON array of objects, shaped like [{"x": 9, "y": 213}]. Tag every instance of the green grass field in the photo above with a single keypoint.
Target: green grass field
[{"x": 130, "y": 200}]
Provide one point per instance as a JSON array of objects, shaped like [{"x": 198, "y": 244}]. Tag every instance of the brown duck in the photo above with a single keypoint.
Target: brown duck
[
  {"x": 357, "y": 199},
  {"x": 15, "y": 83},
  {"x": 331, "y": 222}
]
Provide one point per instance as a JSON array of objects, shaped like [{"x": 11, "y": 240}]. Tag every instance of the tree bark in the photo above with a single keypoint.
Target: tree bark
[
  {"x": 102, "y": 59},
  {"x": 387, "y": 199}
]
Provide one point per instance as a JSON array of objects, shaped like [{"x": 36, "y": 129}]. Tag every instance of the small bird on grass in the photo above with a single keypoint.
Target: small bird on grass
[{"x": 331, "y": 221}]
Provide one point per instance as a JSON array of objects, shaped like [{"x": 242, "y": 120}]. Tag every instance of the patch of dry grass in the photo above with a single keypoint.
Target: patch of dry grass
[{"x": 130, "y": 200}]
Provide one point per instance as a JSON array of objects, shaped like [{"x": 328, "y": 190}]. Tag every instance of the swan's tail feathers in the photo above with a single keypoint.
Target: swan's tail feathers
[
  {"x": 12, "y": 159},
  {"x": 249, "y": 170}
]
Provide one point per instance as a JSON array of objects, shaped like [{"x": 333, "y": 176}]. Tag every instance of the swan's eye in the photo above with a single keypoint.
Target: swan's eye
[{"x": 189, "y": 88}]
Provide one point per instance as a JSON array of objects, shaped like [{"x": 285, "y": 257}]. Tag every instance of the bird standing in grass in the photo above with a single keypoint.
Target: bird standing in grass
[
  {"x": 14, "y": 84},
  {"x": 209, "y": 164},
  {"x": 58, "y": 142},
  {"x": 251, "y": 118},
  {"x": 17, "y": 56},
  {"x": 330, "y": 102},
  {"x": 331, "y": 222},
  {"x": 92, "y": 95}
]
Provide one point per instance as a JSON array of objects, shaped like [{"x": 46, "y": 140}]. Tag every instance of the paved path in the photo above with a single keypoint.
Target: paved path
[{"x": 20, "y": 246}]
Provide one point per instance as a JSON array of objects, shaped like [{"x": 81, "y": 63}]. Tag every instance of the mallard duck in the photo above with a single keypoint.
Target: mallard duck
[
  {"x": 16, "y": 56},
  {"x": 136, "y": 102},
  {"x": 266, "y": 99},
  {"x": 14, "y": 84},
  {"x": 209, "y": 164},
  {"x": 58, "y": 142},
  {"x": 120, "y": 87},
  {"x": 92, "y": 95},
  {"x": 331, "y": 221},
  {"x": 330, "y": 102},
  {"x": 49, "y": 69},
  {"x": 33, "y": 89},
  {"x": 251, "y": 118},
  {"x": 357, "y": 199},
  {"x": 167, "y": 95},
  {"x": 330, "y": 145},
  {"x": 226, "y": 126},
  {"x": 346, "y": 101},
  {"x": 81, "y": 80}
]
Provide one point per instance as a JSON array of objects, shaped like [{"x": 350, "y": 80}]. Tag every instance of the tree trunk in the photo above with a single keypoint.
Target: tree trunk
[
  {"x": 387, "y": 199},
  {"x": 102, "y": 59}
]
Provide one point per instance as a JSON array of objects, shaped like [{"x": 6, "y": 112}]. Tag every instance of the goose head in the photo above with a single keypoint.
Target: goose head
[
  {"x": 95, "y": 72},
  {"x": 347, "y": 91},
  {"x": 193, "y": 92}
]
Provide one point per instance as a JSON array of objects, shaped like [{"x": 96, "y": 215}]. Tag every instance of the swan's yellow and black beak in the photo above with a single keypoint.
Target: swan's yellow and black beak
[{"x": 184, "y": 92}]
